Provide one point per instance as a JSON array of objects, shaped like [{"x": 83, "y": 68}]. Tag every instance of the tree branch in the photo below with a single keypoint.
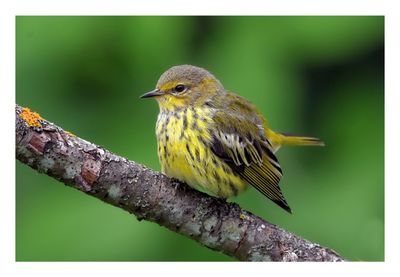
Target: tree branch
[{"x": 152, "y": 196}]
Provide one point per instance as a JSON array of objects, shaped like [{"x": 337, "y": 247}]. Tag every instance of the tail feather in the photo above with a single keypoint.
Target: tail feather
[
  {"x": 278, "y": 139},
  {"x": 292, "y": 139}
]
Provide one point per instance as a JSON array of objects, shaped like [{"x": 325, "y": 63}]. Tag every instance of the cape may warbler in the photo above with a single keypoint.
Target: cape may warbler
[{"x": 214, "y": 140}]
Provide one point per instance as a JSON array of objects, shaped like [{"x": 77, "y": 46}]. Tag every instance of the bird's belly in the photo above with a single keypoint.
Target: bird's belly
[
  {"x": 176, "y": 144},
  {"x": 175, "y": 164},
  {"x": 184, "y": 155}
]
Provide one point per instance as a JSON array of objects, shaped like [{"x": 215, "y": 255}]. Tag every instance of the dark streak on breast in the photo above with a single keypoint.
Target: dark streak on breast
[{"x": 190, "y": 153}]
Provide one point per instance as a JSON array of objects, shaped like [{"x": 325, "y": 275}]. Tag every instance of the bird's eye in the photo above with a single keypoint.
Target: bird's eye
[{"x": 180, "y": 88}]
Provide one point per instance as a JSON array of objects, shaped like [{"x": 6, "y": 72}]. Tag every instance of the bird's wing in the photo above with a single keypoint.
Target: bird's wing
[{"x": 239, "y": 140}]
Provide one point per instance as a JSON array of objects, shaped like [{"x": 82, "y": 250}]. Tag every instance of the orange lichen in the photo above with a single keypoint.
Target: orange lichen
[
  {"x": 69, "y": 133},
  {"x": 31, "y": 118},
  {"x": 242, "y": 216}
]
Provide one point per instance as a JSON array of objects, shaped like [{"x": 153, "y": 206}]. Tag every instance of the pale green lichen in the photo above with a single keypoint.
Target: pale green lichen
[
  {"x": 210, "y": 223},
  {"x": 191, "y": 228},
  {"x": 250, "y": 237},
  {"x": 290, "y": 257},
  {"x": 24, "y": 152},
  {"x": 71, "y": 171},
  {"x": 210, "y": 241},
  {"x": 230, "y": 231},
  {"x": 31, "y": 161},
  {"x": 114, "y": 192},
  {"x": 256, "y": 256},
  {"x": 46, "y": 164}
]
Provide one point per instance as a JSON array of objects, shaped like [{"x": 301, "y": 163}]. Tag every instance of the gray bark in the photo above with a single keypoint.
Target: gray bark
[{"x": 152, "y": 196}]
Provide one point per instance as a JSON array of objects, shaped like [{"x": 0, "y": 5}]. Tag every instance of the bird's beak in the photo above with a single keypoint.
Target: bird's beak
[{"x": 152, "y": 93}]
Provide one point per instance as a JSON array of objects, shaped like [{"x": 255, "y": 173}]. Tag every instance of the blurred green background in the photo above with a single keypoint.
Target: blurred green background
[{"x": 320, "y": 76}]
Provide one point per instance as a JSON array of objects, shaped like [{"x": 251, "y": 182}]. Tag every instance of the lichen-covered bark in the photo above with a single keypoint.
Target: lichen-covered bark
[{"x": 150, "y": 195}]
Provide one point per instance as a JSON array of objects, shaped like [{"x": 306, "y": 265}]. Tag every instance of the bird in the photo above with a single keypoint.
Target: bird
[{"x": 214, "y": 140}]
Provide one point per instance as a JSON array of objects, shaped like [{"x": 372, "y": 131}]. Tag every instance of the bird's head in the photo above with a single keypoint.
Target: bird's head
[{"x": 184, "y": 85}]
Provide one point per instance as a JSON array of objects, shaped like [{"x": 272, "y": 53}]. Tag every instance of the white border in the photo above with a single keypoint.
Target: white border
[{"x": 204, "y": 7}]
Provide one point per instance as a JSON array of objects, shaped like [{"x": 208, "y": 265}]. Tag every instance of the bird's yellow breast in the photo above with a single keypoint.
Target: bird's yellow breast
[{"x": 183, "y": 137}]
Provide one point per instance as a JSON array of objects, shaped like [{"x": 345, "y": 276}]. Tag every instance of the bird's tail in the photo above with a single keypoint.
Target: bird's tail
[
  {"x": 291, "y": 139},
  {"x": 278, "y": 139}
]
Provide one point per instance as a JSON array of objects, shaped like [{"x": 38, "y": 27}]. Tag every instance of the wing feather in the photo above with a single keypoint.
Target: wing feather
[
  {"x": 259, "y": 169},
  {"x": 248, "y": 152}
]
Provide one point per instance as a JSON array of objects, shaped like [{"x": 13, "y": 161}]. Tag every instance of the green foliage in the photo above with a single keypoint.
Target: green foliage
[{"x": 319, "y": 76}]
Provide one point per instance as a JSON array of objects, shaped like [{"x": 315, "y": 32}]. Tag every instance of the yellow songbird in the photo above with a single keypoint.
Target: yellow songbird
[{"x": 214, "y": 140}]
